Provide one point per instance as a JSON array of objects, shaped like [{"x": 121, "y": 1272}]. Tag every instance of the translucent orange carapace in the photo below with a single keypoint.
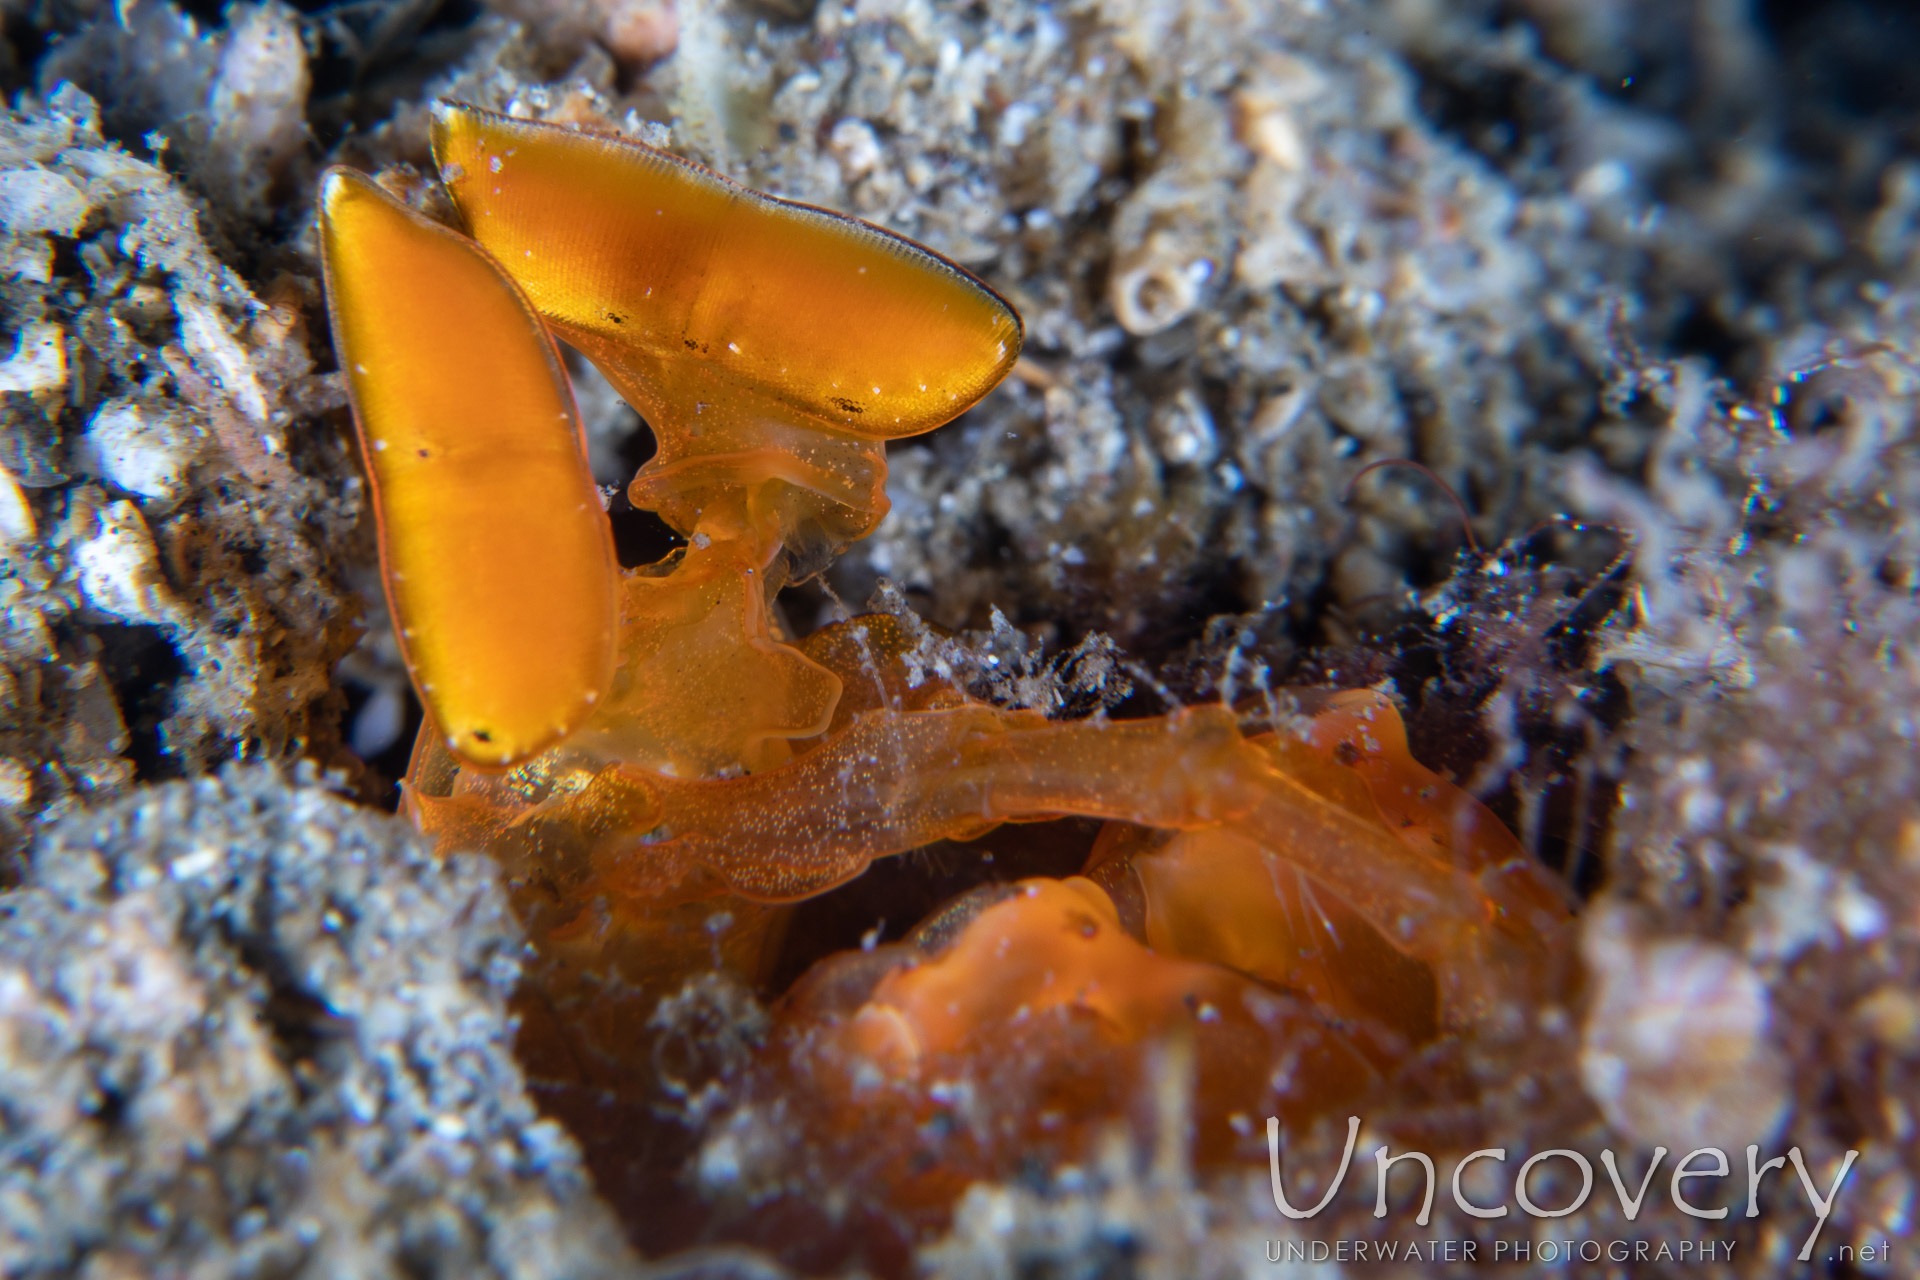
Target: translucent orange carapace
[
  {"x": 498, "y": 560},
  {"x": 1013, "y": 1023},
  {"x": 1299, "y": 891},
  {"x": 1211, "y": 894},
  {"x": 1043, "y": 1009}
]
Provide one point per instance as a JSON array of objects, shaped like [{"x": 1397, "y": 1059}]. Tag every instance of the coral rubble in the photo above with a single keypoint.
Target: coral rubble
[
  {"x": 178, "y": 529},
  {"x": 253, "y": 1029}
]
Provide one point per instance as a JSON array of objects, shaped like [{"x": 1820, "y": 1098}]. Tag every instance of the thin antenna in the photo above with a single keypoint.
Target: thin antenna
[{"x": 1466, "y": 522}]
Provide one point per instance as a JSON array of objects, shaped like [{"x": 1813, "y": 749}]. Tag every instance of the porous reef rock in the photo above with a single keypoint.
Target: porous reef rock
[
  {"x": 173, "y": 531},
  {"x": 250, "y": 1028}
]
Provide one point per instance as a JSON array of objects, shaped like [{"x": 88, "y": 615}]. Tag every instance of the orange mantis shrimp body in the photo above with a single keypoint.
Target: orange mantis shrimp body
[{"x": 645, "y": 751}]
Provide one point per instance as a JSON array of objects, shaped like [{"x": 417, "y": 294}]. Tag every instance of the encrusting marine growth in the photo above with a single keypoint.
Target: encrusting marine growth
[{"x": 642, "y": 747}]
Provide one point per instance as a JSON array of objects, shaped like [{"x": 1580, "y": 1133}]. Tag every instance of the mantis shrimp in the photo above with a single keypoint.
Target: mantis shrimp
[{"x": 638, "y": 745}]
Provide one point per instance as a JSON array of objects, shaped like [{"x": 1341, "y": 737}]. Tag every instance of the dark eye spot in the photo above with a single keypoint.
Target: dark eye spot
[
  {"x": 423, "y": 453},
  {"x": 616, "y": 317},
  {"x": 482, "y": 735},
  {"x": 1346, "y": 753}
]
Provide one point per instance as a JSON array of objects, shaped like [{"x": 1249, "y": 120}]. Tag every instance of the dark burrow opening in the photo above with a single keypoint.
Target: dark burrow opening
[
  {"x": 381, "y": 721},
  {"x": 143, "y": 666}
]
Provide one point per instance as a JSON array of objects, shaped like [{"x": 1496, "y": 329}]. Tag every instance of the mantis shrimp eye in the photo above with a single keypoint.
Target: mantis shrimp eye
[{"x": 493, "y": 544}]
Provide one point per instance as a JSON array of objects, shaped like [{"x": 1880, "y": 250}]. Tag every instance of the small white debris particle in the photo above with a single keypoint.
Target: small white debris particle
[
  {"x": 39, "y": 360},
  {"x": 16, "y": 514},
  {"x": 16, "y": 784},
  {"x": 34, "y": 201},
  {"x": 120, "y": 570},
  {"x": 198, "y": 863}
]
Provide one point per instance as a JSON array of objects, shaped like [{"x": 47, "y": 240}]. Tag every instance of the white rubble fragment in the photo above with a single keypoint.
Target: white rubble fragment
[
  {"x": 1800, "y": 902},
  {"x": 259, "y": 96},
  {"x": 16, "y": 515},
  {"x": 27, "y": 258},
  {"x": 1857, "y": 912},
  {"x": 638, "y": 32},
  {"x": 16, "y": 783},
  {"x": 1603, "y": 181},
  {"x": 1675, "y": 1049},
  {"x": 1786, "y": 912},
  {"x": 1270, "y": 129},
  {"x": 1183, "y": 430},
  {"x": 856, "y": 148},
  {"x": 120, "y": 570},
  {"x": 34, "y": 201},
  {"x": 141, "y": 452},
  {"x": 205, "y": 335},
  {"x": 39, "y": 361},
  {"x": 196, "y": 863}
]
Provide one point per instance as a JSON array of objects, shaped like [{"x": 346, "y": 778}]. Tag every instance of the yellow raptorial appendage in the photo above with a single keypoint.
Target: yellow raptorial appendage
[
  {"x": 497, "y": 554},
  {"x": 749, "y": 331},
  {"x": 659, "y": 262}
]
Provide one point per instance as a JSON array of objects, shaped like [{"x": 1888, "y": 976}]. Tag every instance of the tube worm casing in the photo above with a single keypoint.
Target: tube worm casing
[{"x": 496, "y": 554}]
